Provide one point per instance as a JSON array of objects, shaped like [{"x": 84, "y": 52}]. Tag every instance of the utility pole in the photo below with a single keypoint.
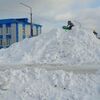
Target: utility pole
[{"x": 30, "y": 17}]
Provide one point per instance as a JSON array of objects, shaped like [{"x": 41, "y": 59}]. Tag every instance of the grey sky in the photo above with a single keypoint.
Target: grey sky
[{"x": 53, "y": 13}]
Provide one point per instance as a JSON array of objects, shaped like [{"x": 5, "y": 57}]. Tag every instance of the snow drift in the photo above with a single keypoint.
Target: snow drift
[{"x": 77, "y": 46}]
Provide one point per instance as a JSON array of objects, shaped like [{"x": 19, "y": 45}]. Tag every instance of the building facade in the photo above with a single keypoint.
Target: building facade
[{"x": 15, "y": 30}]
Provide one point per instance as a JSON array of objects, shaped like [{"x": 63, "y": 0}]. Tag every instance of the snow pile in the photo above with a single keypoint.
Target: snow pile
[
  {"x": 77, "y": 46},
  {"x": 39, "y": 84}
]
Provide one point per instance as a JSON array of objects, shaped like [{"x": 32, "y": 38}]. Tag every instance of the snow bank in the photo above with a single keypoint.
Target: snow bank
[
  {"x": 39, "y": 84},
  {"x": 78, "y": 46}
]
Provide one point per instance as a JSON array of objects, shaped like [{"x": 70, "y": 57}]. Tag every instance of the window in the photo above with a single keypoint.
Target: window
[
  {"x": 23, "y": 33},
  {"x": 0, "y": 42},
  {"x": 8, "y": 42},
  {"x": 1, "y": 30},
  {"x": 34, "y": 31},
  {"x": 8, "y": 30},
  {"x": 39, "y": 30}
]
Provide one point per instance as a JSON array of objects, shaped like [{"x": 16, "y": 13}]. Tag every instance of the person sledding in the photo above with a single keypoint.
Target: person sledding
[
  {"x": 96, "y": 34},
  {"x": 69, "y": 26}
]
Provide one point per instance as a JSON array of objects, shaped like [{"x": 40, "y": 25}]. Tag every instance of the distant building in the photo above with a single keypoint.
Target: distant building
[{"x": 15, "y": 30}]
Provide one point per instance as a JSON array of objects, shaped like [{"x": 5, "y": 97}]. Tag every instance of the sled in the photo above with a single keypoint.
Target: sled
[{"x": 65, "y": 28}]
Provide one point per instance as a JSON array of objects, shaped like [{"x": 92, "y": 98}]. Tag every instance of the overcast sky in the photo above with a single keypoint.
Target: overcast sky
[{"x": 54, "y": 13}]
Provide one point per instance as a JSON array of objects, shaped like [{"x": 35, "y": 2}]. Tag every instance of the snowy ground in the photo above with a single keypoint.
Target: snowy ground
[
  {"x": 39, "y": 84},
  {"x": 51, "y": 67},
  {"x": 49, "y": 82},
  {"x": 57, "y": 65}
]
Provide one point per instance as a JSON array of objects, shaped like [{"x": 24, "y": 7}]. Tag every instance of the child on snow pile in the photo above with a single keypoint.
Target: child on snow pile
[
  {"x": 96, "y": 34},
  {"x": 70, "y": 25}
]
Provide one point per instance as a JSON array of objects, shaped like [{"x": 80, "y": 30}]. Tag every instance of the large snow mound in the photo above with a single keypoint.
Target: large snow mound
[
  {"x": 77, "y": 46},
  {"x": 39, "y": 84}
]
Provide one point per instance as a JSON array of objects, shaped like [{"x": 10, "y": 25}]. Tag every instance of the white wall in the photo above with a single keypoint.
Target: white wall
[
  {"x": 34, "y": 30},
  {"x": 20, "y": 32},
  {"x": 27, "y": 31},
  {"x": 13, "y": 33}
]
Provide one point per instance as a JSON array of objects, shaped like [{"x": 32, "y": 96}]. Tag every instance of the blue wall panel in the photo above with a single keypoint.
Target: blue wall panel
[{"x": 16, "y": 32}]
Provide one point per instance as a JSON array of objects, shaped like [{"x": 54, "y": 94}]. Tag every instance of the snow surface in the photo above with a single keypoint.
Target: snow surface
[
  {"x": 39, "y": 84},
  {"x": 78, "y": 46}
]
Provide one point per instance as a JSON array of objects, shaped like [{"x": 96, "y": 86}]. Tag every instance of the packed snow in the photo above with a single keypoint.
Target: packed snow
[
  {"x": 57, "y": 48},
  {"x": 77, "y": 46},
  {"x": 39, "y": 84}
]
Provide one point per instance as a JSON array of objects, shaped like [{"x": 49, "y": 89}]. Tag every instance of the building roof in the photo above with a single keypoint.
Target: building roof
[
  {"x": 16, "y": 20},
  {"x": 37, "y": 25},
  {"x": 5, "y": 21}
]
